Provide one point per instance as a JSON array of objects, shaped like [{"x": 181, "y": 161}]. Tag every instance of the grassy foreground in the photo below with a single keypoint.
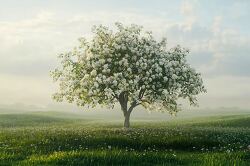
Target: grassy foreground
[{"x": 54, "y": 139}]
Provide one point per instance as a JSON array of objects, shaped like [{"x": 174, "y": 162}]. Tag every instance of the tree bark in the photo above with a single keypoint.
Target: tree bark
[
  {"x": 126, "y": 120},
  {"x": 127, "y": 115}
]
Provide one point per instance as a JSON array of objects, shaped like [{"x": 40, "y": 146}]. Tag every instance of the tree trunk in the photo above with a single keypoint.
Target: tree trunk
[
  {"x": 123, "y": 99},
  {"x": 126, "y": 121}
]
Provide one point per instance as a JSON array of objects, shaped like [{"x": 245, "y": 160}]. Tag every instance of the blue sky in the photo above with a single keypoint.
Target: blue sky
[{"x": 33, "y": 32}]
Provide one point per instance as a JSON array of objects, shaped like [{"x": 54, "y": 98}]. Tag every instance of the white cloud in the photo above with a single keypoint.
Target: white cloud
[
  {"x": 216, "y": 26},
  {"x": 187, "y": 8}
]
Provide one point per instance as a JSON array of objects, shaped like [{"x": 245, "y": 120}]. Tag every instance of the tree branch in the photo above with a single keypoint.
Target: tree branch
[
  {"x": 141, "y": 93},
  {"x": 123, "y": 99},
  {"x": 133, "y": 105}
]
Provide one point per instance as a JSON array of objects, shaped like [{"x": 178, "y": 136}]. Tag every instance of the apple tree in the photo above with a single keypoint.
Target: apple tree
[{"x": 126, "y": 66}]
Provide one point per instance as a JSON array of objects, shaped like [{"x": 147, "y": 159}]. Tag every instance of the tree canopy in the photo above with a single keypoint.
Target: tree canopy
[{"x": 126, "y": 65}]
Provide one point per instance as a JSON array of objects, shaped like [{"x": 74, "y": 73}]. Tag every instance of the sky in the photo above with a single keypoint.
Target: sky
[{"x": 34, "y": 32}]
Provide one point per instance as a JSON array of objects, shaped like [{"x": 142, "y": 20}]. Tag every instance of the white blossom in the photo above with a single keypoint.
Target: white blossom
[{"x": 93, "y": 73}]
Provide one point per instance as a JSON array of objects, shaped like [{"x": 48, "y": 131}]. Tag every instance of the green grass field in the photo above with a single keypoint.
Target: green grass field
[{"x": 50, "y": 138}]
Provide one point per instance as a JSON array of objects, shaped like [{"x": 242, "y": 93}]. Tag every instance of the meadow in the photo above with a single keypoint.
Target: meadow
[{"x": 52, "y": 138}]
